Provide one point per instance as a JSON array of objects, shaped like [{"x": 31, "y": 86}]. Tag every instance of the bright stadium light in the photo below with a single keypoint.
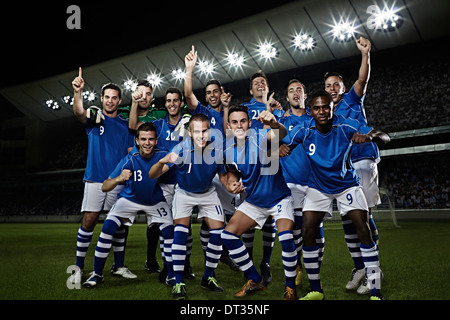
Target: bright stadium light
[
  {"x": 268, "y": 51},
  {"x": 235, "y": 60},
  {"x": 179, "y": 74},
  {"x": 154, "y": 79},
  {"x": 52, "y": 104},
  {"x": 387, "y": 19},
  {"x": 343, "y": 31},
  {"x": 89, "y": 95},
  {"x": 67, "y": 100},
  {"x": 304, "y": 42},
  {"x": 206, "y": 67},
  {"x": 130, "y": 85}
]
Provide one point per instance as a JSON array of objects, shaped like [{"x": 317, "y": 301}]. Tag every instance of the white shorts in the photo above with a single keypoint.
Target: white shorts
[
  {"x": 298, "y": 194},
  {"x": 158, "y": 213},
  {"x": 367, "y": 171},
  {"x": 168, "y": 192},
  {"x": 282, "y": 210},
  {"x": 348, "y": 200},
  {"x": 208, "y": 204},
  {"x": 95, "y": 200}
]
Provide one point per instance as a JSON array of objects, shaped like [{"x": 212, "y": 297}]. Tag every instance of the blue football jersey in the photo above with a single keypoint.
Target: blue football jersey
[
  {"x": 108, "y": 143},
  {"x": 140, "y": 188},
  {"x": 255, "y": 108},
  {"x": 215, "y": 117},
  {"x": 261, "y": 175},
  {"x": 329, "y": 154},
  {"x": 195, "y": 169},
  {"x": 296, "y": 166},
  {"x": 352, "y": 106},
  {"x": 167, "y": 137}
]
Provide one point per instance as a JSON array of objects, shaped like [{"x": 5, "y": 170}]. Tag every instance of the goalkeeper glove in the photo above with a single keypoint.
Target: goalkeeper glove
[{"x": 94, "y": 115}]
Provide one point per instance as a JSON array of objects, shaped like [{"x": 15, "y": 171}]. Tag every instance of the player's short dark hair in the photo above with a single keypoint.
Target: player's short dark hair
[
  {"x": 319, "y": 93},
  {"x": 216, "y": 82},
  {"x": 258, "y": 74},
  {"x": 145, "y": 83},
  {"x": 239, "y": 108},
  {"x": 174, "y": 90},
  {"x": 112, "y": 86},
  {"x": 332, "y": 74},
  {"x": 146, "y": 126}
]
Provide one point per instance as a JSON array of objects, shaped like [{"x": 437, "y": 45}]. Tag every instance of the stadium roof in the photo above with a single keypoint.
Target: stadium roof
[{"x": 221, "y": 47}]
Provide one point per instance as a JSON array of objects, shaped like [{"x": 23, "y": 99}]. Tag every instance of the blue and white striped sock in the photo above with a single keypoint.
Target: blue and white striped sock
[
  {"x": 353, "y": 243},
  {"x": 167, "y": 232},
  {"x": 213, "y": 251},
  {"x": 118, "y": 245},
  {"x": 312, "y": 266},
  {"x": 240, "y": 256},
  {"x": 289, "y": 256},
  {"x": 179, "y": 251},
  {"x": 104, "y": 243},
  {"x": 84, "y": 239},
  {"x": 372, "y": 264}
]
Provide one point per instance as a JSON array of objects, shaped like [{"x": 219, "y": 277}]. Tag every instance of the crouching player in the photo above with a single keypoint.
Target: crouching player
[
  {"x": 139, "y": 194},
  {"x": 267, "y": 195},
  {"x": 327, "y": 140}
]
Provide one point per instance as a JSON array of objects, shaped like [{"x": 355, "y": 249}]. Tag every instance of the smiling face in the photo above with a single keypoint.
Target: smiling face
[
  {"x": 212, "y": 95},
  {"x": 199, "y": 132},
  {"x": 259, "y": 88},
  {"x": 239, "y": 124},
  {"x": 110, "y": 101},
  {"x": 173, "y": 104},
  {"x": 147, "y": 97},
  {"x": 146, "y": 142},
  {"x": 335, "y": 87},
  {"x": 322, "y": 112}
]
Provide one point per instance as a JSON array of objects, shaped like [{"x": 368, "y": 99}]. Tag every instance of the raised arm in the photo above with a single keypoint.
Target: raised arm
[
  {"x": 133, "y": 119},
  {"x": 78, "y": 85},
  {"x": 360, "y": 85},
  {"x": 190, "y": 60}
]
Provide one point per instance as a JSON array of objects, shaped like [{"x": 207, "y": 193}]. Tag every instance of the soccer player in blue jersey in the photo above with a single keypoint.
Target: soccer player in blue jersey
[
  {"x": 253, "y": 156},
  {"x": 108, "y": 142},
  {"x": 139, "y": 194},
  {"x": 327, "y": 140},
  {"x": 261, "y": 101},
  {"x": 214, "y": 94},
  {"x": 296, "y": 168},
  {"x": 196, "y": 165},
  {"x": 364, "y": 156}
]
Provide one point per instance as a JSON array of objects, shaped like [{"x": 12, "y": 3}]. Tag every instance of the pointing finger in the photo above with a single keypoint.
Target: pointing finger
[{"x": 80, "y": 72}]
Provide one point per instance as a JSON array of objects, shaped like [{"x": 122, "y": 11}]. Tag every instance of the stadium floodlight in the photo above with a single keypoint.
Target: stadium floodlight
[
  {"x": 67, "y": 100},
  {"x": 304, "y": 42},
  {"x": 343, "y": 31},
  {"x": 154, "y": 79},
  {"x": 89, "y": 96},
  {"x": 387, "y": 19},
  {"x": 268, "y": 51},
  {"x": 179, "y": 74},
  {"x": 206, "y": 67},
  {"x": 52, "y": 104},
  {"x": 235, "y": 60},
  {"x": 130, "y": 85}
]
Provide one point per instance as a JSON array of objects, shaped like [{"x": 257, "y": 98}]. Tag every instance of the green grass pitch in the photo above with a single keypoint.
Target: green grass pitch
[{"x": 34, "y": 259}]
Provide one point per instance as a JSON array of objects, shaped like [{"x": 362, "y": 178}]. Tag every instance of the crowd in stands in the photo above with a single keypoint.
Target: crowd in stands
[{"x": 417, "y": 182}]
